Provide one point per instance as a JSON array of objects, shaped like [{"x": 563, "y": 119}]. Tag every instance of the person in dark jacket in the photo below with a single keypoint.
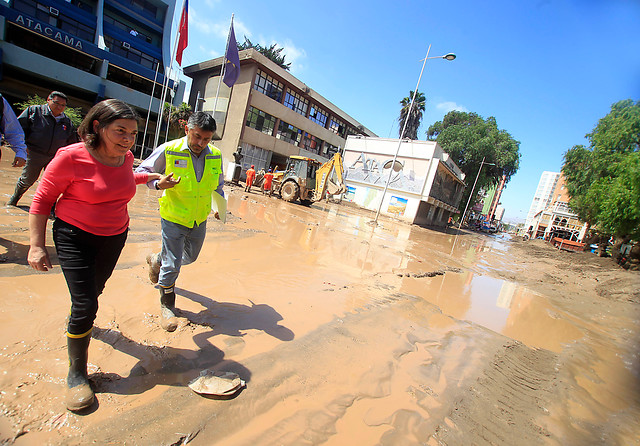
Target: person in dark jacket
[{"x": 46, "y": 129}]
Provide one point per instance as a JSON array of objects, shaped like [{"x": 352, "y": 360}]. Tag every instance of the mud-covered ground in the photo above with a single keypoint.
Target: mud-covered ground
[{"x": 345, "y": 332}]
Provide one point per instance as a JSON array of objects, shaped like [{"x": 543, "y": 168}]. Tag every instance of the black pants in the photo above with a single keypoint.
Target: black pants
[{"x": 87, "y": 261}]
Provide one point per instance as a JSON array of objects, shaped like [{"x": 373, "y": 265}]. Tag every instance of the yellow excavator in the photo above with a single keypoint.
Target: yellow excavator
[{"x": 307, "y": 180}]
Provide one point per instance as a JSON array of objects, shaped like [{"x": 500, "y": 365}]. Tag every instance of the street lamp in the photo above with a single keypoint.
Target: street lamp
[
  {"x": 474, "y": 186},
  {"x": 449, "y": 56}
]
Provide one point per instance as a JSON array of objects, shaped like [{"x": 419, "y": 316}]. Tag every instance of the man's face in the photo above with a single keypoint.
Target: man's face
[
  {"x": 197, "y": 139},
  {"x": 57, "y": 105}
]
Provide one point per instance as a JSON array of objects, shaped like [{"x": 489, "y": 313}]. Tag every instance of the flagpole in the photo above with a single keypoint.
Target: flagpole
[
  {"x": 224, "y": 67},
  {"x": 166, "y": 83},
  {"x": 146, "y": 125}
]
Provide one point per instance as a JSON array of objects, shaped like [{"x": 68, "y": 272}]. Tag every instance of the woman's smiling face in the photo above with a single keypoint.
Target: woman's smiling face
[{"x": 118, "y": 137}]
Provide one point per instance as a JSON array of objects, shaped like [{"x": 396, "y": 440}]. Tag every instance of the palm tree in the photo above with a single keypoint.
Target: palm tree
[
  {"x": 415, "y": 117},
  {"x": 272, "y": 52}
]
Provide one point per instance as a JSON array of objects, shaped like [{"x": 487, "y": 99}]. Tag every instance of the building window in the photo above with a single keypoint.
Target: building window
[
  {"x": 296, "y": 102},
  {"x": 42, "y": 12},
  {"x": 289, "y": 133},
  {"x": 318, "y": 116},
  {"x": 312, "y": 143},
  {"x": 337, "y": 126},
  {"x": 133, "y": 54},
  {"x": 269, "y": 86},
  {"x": 330, "y": 150},
  {"x": 261, "y": 121}
]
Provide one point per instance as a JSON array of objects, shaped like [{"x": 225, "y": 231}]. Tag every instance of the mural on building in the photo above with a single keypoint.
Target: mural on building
[
  {"x": 397, "y": 206},
  {"x": 408, "y": 174}
]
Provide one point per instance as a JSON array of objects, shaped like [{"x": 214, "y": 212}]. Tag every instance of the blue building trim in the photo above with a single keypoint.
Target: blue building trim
[{"x": 51, "y": 32}]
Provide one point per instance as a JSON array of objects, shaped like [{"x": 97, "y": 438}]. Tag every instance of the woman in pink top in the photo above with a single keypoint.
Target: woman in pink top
[{"x": 91, "y": 183}]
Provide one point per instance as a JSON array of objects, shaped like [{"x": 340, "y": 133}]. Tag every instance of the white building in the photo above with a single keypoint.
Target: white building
[
  {"x": 426, "y": 185},
  {"x": 543, "y": 196}
]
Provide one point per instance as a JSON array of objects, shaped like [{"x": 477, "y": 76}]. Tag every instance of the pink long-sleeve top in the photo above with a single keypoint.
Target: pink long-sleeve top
[{"x": 93, "y": 196}]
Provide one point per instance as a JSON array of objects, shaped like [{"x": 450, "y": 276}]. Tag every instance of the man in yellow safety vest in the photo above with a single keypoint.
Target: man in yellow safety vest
[{"x": 193, "y": 169}]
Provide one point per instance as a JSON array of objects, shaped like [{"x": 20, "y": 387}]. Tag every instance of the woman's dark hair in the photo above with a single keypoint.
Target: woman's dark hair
[{"x": 105, "y": 113}]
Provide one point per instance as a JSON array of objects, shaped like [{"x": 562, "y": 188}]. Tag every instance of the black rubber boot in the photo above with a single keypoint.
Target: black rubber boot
[
  {"x": 79, "y": 393},
  {"x": 17, "y": 195},
  {"x": 168, "y": 320}
]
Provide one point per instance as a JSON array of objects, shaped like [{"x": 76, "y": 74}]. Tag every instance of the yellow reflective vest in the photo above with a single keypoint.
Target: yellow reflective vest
[{"x": 189, "y": 202}]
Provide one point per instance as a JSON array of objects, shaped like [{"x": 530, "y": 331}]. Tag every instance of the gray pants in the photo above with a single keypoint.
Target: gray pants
[
  {"x": 36, "y": 162},
  {"x": 180, "y": 246}
]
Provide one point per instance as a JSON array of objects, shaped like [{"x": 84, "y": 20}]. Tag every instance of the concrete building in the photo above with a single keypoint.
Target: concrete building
[
  {"x": 269, "y": 113},
  {"x": 88, "y": 49},
  {"x": 556, "y": 219},
  {"x": 426, "y": 185},
  {"x": 542, "y": 197}
]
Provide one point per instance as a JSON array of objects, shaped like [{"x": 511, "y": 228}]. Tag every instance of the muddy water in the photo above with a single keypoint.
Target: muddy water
[{"x": 346, "y": 333}]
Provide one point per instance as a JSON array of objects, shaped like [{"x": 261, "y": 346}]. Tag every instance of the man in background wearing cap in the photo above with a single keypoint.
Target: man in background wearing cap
[{"x": 251, "y": 175}]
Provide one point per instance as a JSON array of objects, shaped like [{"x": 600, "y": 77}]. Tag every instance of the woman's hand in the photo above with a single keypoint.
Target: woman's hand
[
  {"x": 153, "y": 176},
  {"x": 167, "y": 182},
  {"x": 38, "y": 258}
]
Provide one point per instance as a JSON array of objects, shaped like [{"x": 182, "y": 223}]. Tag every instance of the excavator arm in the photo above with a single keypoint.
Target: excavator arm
[{"x": 324, "y": 178}]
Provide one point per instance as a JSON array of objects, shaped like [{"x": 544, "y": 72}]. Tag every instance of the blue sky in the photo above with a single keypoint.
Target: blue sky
[{"x": 546, "y": 70}]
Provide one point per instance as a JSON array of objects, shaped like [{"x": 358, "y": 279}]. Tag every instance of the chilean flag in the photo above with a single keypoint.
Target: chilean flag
[{"x": 183, "y": 30}]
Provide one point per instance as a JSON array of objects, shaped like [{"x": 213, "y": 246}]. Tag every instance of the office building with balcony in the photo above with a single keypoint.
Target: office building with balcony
[
  {"x": 269, "y": 113},
  {"x": 88, "y": 49},
  {"x": 542, "y": 197},
  {"x": 557, "y": 219}
]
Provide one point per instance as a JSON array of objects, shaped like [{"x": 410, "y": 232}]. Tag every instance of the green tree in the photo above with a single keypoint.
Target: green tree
[
  {"x": 468, "y": 138},
  {"x": 75, "y": 114},
  {"x": 176, "y": 117},
  {"x": 271, "y": 52},
  {"x": 603, "y": 179},
  {"x": 415, "y": 115}
]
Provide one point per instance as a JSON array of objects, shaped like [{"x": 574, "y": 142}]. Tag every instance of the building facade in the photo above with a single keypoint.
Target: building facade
[
  {"x": 556, "y": 219},
  {"x": 543, "y": 196},
  {"x": 425, "y": 185},
  {"x": 88, "y": 49},
  {"x": 269, "y": 113}
]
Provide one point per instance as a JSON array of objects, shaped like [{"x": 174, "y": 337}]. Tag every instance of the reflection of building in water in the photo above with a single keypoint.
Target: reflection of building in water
[
  {"x": 506, "y": 295},
  {"x": 425, "y": 185}
]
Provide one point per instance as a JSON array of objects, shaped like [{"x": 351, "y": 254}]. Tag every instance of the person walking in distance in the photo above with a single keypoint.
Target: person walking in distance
[
  {"x": 46, "y": 128},
  {"x": 12, "y": 133},
  {"x": 193, "y": 168},
  {"x": 92, "y": 182},
  {"x": 251, "y": 175}
]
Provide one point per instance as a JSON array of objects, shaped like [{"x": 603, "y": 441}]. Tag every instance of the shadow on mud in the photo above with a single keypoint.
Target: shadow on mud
[
  {"x": 166, "y": 365},
  {"x": 173, "y": 366},
  {"x": 231, "y": 319}
]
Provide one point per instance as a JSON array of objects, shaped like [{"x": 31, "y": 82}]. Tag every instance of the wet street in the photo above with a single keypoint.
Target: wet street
[{"x": 346, "y": 332}]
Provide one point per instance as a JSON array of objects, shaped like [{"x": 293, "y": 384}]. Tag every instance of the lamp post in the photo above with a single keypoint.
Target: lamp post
[
  {"x": 448, "y": 56},
  {"x": 472, "y": 189}
]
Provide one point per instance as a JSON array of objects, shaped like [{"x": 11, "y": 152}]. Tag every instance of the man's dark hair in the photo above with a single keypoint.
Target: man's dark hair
[
  {"x": 59, "y": 94},
  {"x": 203, "y": 121},
  {"x": 104, "y": 113}
]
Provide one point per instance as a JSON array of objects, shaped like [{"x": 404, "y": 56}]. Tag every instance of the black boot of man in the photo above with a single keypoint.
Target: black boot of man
[
  {"x": 168, "y": 320},
  {"x": 79, "y": 393}
]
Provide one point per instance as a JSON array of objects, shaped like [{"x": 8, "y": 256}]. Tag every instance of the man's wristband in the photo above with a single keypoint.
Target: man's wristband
[{"x": 157, "y": 185}]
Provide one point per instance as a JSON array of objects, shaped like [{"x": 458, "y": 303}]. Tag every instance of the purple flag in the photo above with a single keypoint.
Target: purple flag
[{"x": 232, "y": 64}]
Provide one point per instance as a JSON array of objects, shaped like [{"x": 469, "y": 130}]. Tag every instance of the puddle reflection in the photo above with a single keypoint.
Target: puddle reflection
[{"x": 501, "y": 306}]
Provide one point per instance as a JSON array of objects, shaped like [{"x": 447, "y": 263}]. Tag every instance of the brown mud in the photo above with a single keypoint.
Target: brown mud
[{"x": 345, "y": 332}]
